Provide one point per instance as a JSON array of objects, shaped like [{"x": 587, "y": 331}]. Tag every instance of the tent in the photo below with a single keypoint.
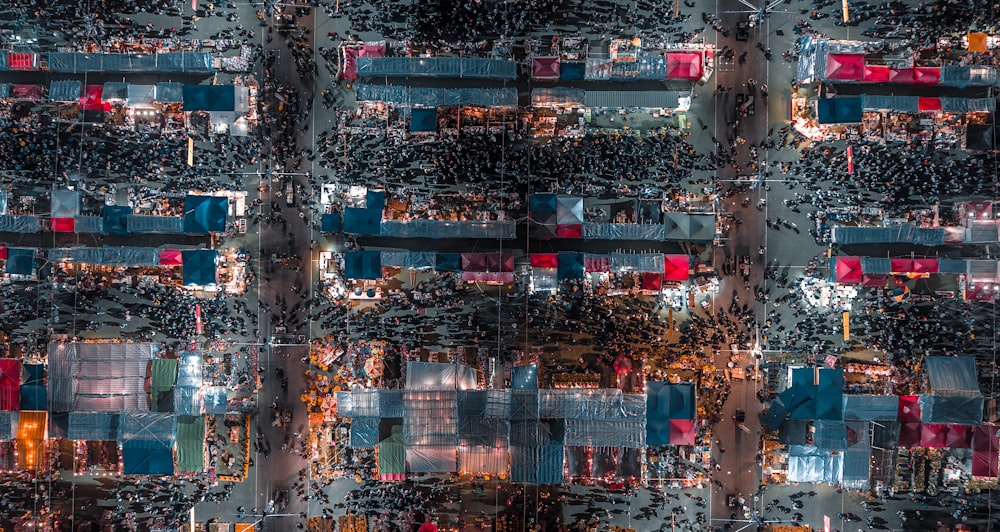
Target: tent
[
  {"x": 147, "y": 458},
  {"x": 168, "y": 92},
  {"x": 684, "y": 65},
  {"x": 140, "y": 95},
  {"x": 65, "y": 91},
  {"x": 870, "y": 407},
  {"x": 33, "y": 394},
  {"x": 909, "y": 409},
  {"x": 597, "y": 263},
  {"x": 933, "y": 436},
  {"x": 545, "y": 68},
  {"x": 925, "y": 265},
  {"x": 31, "y": 431},
  {"x": 363, "y": 265},
  {"x": 873, "y": 280},
  {"x": 569, "y": 231},
  {"x": 652, "y": 281},
  {"x": 946, "y": 373},
  {"x": 20, "y": 261},
  {"x": 22, "y": 61},
  {"x": 959, "y": 437},
  {"x": 474, "y": 262},
  {"x": 93, "y": 99},
  {"x": 114, "y": 219},
  {"x": 542, "y": 203},
  {"x": 10, "y": 384},
  {"x": 28, "y": 92},
  {"x": 843, "y": 110},
  {"x": 62, "y": 225},
  {"x": 500, "y": 262},
  {"x": 682, "y": 432},
  {"x": 980, "y": 137},
  {"x": 901, "y": 265},
  {"x": 910, "y": 434},
  {"x": 391, "y": 456},
  {"x": 927, "y": 75},
  {"x": 524, "y": 377},
  {"x": 572, "y": 70},
  {"x": 448, "y": 262},
  {"x": 171, "y": 257},
  {"x": 676, "y": 267},
  {"x": 845, "y": 67},
  {"x": 570, "y": 266},
  {"x": 544, "y": 260},
  {"x": 163, "y": 377},
  {"x": 927, "y": 104},
  {"x": 829, "y": 394},
  {"x": 846, "y": 270},
  {"x": 209, "y": 98},
  {"x": 332, "y": 222},
  {"x": 569, "y": 210},
  {"x": 190, "y": 444},
  {"x": 362, "y": 221},
  {"x": 901, "y": 75},
  {"x": 977, "y": 42},
  {"x": 205, "y": 214},
  {"x": 423, "y": 120},
  {"x": 552, "y": 96},
  {"x": 199, "y": 266}
]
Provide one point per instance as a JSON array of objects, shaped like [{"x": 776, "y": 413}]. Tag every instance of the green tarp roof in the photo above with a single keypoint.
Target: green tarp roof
[
  {"x": 391, "y": 458},
  {"x": 164, "y": 376},
  {"x": 191, "y": 444}
]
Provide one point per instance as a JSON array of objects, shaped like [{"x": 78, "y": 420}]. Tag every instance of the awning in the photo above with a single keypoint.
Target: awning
[
  {"x": 632, "y": 99},
  {"x": 682, "y": 432},
  {"x": 839, "y": 110},
  {"x": 901, "y": 75},
  {"x": 65, "y": 91},
  {"x": 423, "y": 120},
  {"x": 845, "y": 66},
  {"x": 684, "y": 65}
]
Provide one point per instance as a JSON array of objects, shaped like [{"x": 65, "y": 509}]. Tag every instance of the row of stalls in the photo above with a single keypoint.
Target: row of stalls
[
  {"x": 558, "y": 216},
  {"x": 648, "y": 272},
  {"x": 979, "y": 280},
  {"x": 627, "y": 61},
  {"x": 441, "y": 423},
  {"x": 78, "y": 63},
  {"x": 164, "y": 106},
  {"x": 821, "y": 434}
]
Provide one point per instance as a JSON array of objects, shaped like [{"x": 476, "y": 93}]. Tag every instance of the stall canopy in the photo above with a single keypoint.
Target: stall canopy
[
  {"x": 363, "y": 265},
  {"x": 199, "y": 266},
  {"x": 33, "y": 396},
  {"x": 676, "y": 268},
  {"x": 947, "y": 374},
  {"x": 29, "y": 92},
  {"x": 20, "y": 261},
  {"x": 391, "y": 456},
  {"x": 332, "y": 222},
  {"x": 909, "y": 409},
  {"x": 572, "y": 70},
  {"x": 906, "y": 233},
  {"x": 362, "y": 221},
  {"x": 927, "y": 75},
  {"x": 93, "y": 99},
  {"x": 448, "y": 262},
  {"x": 93, "y": 426},
  {"x": 933, "y": 436},
  {"x": 925, "y": 104},
  {"x": 163, "y": 378},
  {"x": 980, "y": 137},
  {"x": 524, "y": 377},
  {"x": 114, "y": 219},
  {"x": 829, "y": 394},
  {"x": 170, "y": 257},
  {"x": 545, "y": 68},
  {"x": 684, "y": 226},
  {"x": 684, "y": 65},
  {"x": 544, "y": 260},
  {"x": 871, "y": 407},
  {"x": 438, "y": 96},
  {"x": 205, "y": 214},
  {"x": 846, "y": 270},
  {"x": 546, "y": 96},
  {"x": 682, "y": 432},
  {"x": 209, "y": 97},
  {"x": 169, "y": 92},
  {"x": 79, "y": 62},
  {"x": 844, "y": 110},
  {"x": 98, "y": 377},
  {"x": 140, "y": 95},
  {"x": 845, "y": 67},
  {"x": 10, "y": 384},
  {"x": 31, "y": 430},
  {"x": 570, "y": 266},
  {"x": 65, "y": 91},
  {"x": 65, "y": 203},
  {"x": 423, "y": 120},
  {"x": 665, "y": 402},
  {"x": 977, "y": 42},
  {"x": 190, "y": 444},
  {"x": 632, "y": 99},
  {"x": 437, "y": 67},
  {"x": 984, "y": 451}
]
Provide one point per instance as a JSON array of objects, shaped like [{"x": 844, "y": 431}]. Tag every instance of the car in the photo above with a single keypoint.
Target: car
[{"x": 741, "y": 416}]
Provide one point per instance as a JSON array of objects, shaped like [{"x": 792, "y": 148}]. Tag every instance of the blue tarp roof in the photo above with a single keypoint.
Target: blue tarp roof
[
  {"x": 169, "y": 92},
  {"x": 963, "y": 408},
  {"x": 524, "y": 377},
  {"x": 375, "y": 199},
  {"x": 800, "y": 397},
  {"x": 570, "y": 266},
  {"x": 775, "y": 415},
  {"x": 362, "y": 221},
  {"x": 871, "y": 407},
  {"x": 666, "y": 401},
  {"x": 155, "y": 224},
  {"x": 538, "y": 465},
  {"x": 20, "y": 261},
  {"x": 115, "y": 219},
  {"x": 438, "y": 97},
  {"x": 952, "y": 373},
  {"x": 839, "y": 110},
  {"x": 76, "y": 63},
  {"x": 543, "y": 203},
  {"x": 199, "y": 266},
  {"x": 448, "y": 262},
  {"x": 205, "y": 214},
  {"x": 876, "y": 265},
  {"x": 209, "y": 98},
  {"x": 439, "y": 229},
  {"x": 363, "y": 265},
  {"x": 65, "y": 91},
  {"x": 413, "y": 260},
  {"x": 93, "y": 426},
  {"x": 572, "y": 70},
  {"x": 332, "y": 223},
  {"x": 147, "y": 458},
  {"x": 911, "y": 234},
  {"x": 423, "y": 120},
  {"x": 830, "y": 435},
  {"x": 953, "y": 266},
  {"x": 437, "y": 67},
  {"x": 33, "y": 397},
  {"x": 829, "y": 394}
]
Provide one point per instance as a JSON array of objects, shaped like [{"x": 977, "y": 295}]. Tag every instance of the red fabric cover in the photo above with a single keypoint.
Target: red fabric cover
[
  {"x": 682, "y": 432},
  {"x": 925, "y": 103},
  {"x": 909, "y": 409},
  {"x": 676, "y": 267},
  {"x": 92, "y": 99},
  {"x": 876, "y": 73},
  {"x": 933, "y": 436},
  {"x": 569, "y": 231},
  {"x": 26, "y": 92},
  {"x": 652, "y": 281},
  {"x": 684, "y": 65},
  {"x": 171, "y": 257},
  {"x": 927, "y": 75},
  {"x": 597, "y": 264},
  {"x": 3, "y": 252},
  {"x": 500, "y": 262},
  {"x": 984, "y": 464},
  {"x": 984, "y": 438},
  {"x": 544, "y": 260},
  {"x": 392, "y": 477},
  {"x": 871, "y": 279},
  {"x": 909, "y": 435},
  {"x": 848, "y": 270},
  {"x": 959, "y": 437},
  {"x": 901, "y": 75},
  {"x": 473, "y": 262},
  {"x": 21, "y": 62},
  {"x": 925, "y": 265},
  {"x": 979, "y": 292},
  {"x": 545, "y": 68},
  {"x": 845, "y": 66},
  {"x": 62, "y": 225},
  {"x": 10, "y": 384},
  {"x": 901, "y": 265}
]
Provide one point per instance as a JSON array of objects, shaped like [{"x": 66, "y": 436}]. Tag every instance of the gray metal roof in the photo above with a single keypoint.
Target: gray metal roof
[{"x": 632, "y": 99}]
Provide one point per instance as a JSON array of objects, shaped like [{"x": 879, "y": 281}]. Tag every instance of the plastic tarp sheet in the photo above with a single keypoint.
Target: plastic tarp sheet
[
  {"x": 431, "y": 459},
  {"x": 65, "y": 91},
  {"x": 969, "y": 75},
  {"x": 209, "y": 97},
  {"x": 482, "y": 459},
  {"x": 541, "y": 464},
  {"x": 632, "y": 99},
  {"x": 843, "y": 110},
  {"x": 448, "y": 262},
  {"x": 438, "y": 96},
  {"x": 205, "y": 214},
  {"x": 436, "y": 376},
  {"x": 363, "y": 265},
  {"x": 438, "y": 229},
  {"x": 162, "y": 381},
  {"x": 830, "y": 435},
  {"x": 199, "y": 267},
  {"x": 413, "y": 260},
  {"x": 106, "y": 256},
  {"x": 775, "y": 415},
  {"x": 170, "y": 92},
  {"x": 31, "y": 448},
  {"x": 683, "y": 65},
  {"x": 423, "y": 120},
  {"x": 810, "y": 464},
  {"x": 392, "y": 457},
  {"x": 155, "y": 224},
  {"x": 964, "y": 408},
  {"x": 951, "y": 373},
  {"x": 147, "y": 458},
  {"x": 871, "y": 407},
  {"x": 570, "y": 266},
  {"x": 829, "y": 394},
  {"x": 597, "y": 231},
  {"x": 18, "y": 224},
  {"x": 33, "y": 396},
  {"x": 546, "y": 96},
  {"x": 140, "y": 95},
  {"x": 572, "y": 70},
  {"x": 921, "y": 236},
  {"x": 857, "y": 463},
  {"x": 215, "y": 399},
  {"x": 20, "y": 261},
  {"x": 637, "y": 262},
  {"x": 437, "y": 67},
  {"x": 605, "y": 433},
  {"x": 364, "y": 432},
  {"x": 98, "y": 377},
  {"x": 64, "y": 203},
  {"x": 93, "y": 426},
  {"x": 114, "y": 220},
  {"x": 26, "y": 92},
  {"x": 190, "y": 444},
  {"x": 359, "y": 221},
  {"x": 876, "y": 265},
  {"x": 8, "y": 425},
  {"x": 524, "y": 377},
  {"x": 78, "y": 63},
  {"x": 189, "y": 371},
  {"x": 115, "y": 91},
  {"x": 10, "y": 384}
]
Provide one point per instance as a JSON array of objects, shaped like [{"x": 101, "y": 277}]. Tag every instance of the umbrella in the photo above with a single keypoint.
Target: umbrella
[{"x": 623, "y": 365}]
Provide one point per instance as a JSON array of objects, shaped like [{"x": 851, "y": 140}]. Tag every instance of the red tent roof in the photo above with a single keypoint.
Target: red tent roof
[
  {"x": 845, "y": 66},
  {"x": 901, "y": 75},
  {"x": 544, "y": 260},
  {"x": 21, "y": 62},
  {"x": 597, "y": 264},
  {"x": 428, "y": 527},
  {"x": 927, "y": 75},
  {"x": 876, "y": 73},
  {"x": 909, "y": 409},
  {"x": 545, "y": 68},
  {"x": 872, "y": 279},
  {"x": 925, "y": 265},
  {"x": 676, "y": 267},
  {"x": 925, "y": 103},
  {"x": 682, "y": 432},
  {"x": 933, "y": 435},
  {"x": 848, "y": 270},
  {"x": 26, "y": 92},
  {"x": 623, "y": 365},
  {"x": 984, "y": 464},
  {"x": 652, "y": 281},
  {"x": 569, "y": 231},
  {"x": 902, "y": 265},
  {"x": 979, "y": 292},
  {"x": 10, "y": 384},
  {"x": 3, "y": 252},
  {"x": 473, "y": 262},
  {"x": 350, "y": 66},
  {"x": 684, "y": 65},
  {"x": 959, "y": 437},
  {"x": 909, "y": 434},
  {"x": 984, "y": 438},
  {"x": 62, "y": 225},
  {"x": 170, "y": 257},
  {"x": 500, "y": 262},
  {"x": 92, "y": 99}
]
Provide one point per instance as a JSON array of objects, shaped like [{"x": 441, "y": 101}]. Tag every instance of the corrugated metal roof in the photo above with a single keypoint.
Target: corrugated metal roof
[{"x": 629, "y": 99}]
